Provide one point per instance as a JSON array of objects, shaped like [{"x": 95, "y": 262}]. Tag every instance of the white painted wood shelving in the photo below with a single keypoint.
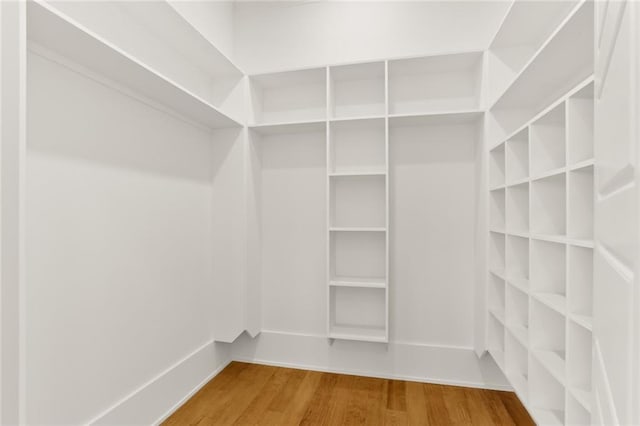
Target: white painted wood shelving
[{"x": 354, "y": 106}]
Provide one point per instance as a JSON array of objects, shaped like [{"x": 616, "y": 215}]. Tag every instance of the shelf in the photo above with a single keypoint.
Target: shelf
[
  {"x": 358, "y": 201},
  {"x": 436, "y": 118},
  {"x": 358, "y": 313},
  {"x": 580, "y": 125},
  {"x": 357, "y": 90},
  {"x": 57, "y": 33},
  {"x": 289, "y": 128},
  {"x": 517, "y": 157},
  {"x": 521, "y": 333},
  {"x": 497, "y": 166},
  {"x": 496, "y": 340},
  {"x": 554, "y": 363},
  {"x": 547, "y": 339},
  {"x": 578, "y": 410},
  {"x": 581, "y": 203},
  {"x": 557, "y": 302},
  {"x": 548, "y": 206},
  {"x": 291, "y": 96},
  {"x": 357, "y": 282},
  {"x": 525, "y": 28},
  {"x": 583, "y": 398},
  {"x": 548, "y": 417},
  {"x": 358, "y": 173},
  {"x": 583, "y": 321},
  {"x": 517, "y": 310},
  {"x": 357, "y": 145},
  {"x": 518, "y": 208},
  {"x": 569, "y": 52},
  {"x": 517, "y": 364},
  {"x": 521, "y": 284},
  {"x": 435, "y": 83},
  {"x": 357, "y": 229},
  {"x": 548, "y": 137}
]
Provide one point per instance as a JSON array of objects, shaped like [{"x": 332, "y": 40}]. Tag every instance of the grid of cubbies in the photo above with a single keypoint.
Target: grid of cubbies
[
  {"x": 355, "y": 104},
  {"x": 541, "y": 259}
]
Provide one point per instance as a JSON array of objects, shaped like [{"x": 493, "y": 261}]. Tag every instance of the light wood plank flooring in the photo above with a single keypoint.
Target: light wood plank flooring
[{"x": 250, "y": 394}]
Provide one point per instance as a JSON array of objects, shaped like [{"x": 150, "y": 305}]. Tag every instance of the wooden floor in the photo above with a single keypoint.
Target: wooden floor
[{"x": 250, "y": 394}]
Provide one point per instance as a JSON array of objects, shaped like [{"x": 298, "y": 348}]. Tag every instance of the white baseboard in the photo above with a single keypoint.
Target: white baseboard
[
  {"x": 157, "y": 399},
  {"x": 395, "y": 360}
]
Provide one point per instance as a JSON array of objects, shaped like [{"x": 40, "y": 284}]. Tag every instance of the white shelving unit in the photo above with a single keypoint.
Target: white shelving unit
[
  {"x": 541, "y": 202},
  {"x": 57, "y": 36}
]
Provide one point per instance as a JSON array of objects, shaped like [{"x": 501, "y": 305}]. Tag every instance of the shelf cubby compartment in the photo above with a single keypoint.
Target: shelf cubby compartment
[
  {"x": 517, "y": 157},
  {"x": 517, "y": 314},
  {"x": 496, "y": 295},
  {"x": 579, "y": 363},
  {"x": 496, "y": 340},
  {"x": 357, "y": 146},
  {"x": 546, "y": 395},
  {"x": 548, "y": 138},
  {"x": 357, "y": 255},
  {"x": 518, "y": 208},
  {"x": 358, "y": 314},
  {"x": 517, "y": 365},
  {"x": 435, "y": 83},
  {"x": 581, "y": 203},
  {"x": 517, "y": 261},
  {"x": 498, "y": 210},
  {"x": 549, "y": 206},
  {"x": 358, "y": 201},
  {"x": 580, "y": 284},
  {"x": 357, "y": 90},
  {"x": 497, "y": 166},
  {"x": 580, "y": 122},
  {"x": 548, "y": 274},
  {"x": 291, "y": 96},
  {"x": 547, "y": 339},
  {"x": 497, "y": 252},
  {"x": 577, "y": 414}
]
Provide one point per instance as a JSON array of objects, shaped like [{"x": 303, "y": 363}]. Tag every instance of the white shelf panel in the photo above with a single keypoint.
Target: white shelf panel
[
  {"x": 61, "y": 35},
  {"x": 357, "y": 229},
  {"x": 583, "y": 397},
  {"x": 553, "y": 362},
  {"x": 358, "y": 173},
  {"x": 357, "y": 90},
  {"x": 557, "y": 302},
  {"x": 584, "y": 321},
  {"x": 521, "y": 333},
  {"x": 435, "y": 118},
  {"x": 357, "y": 282},
  {"x": 362, "y": 334},
  {"x": 289, "y": 128},
  {"x": 548, "y": 417}
]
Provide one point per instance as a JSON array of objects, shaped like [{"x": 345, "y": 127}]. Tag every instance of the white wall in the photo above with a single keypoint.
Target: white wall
[
  {"x": 119, "y": 252},
  {"x": 286, "y": 35}
]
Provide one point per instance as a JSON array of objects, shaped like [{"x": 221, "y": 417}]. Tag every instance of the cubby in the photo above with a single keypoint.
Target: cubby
[
  {"x": 576, "y": 413},
  {"x": 579, "y": 363},
  {"x": 517, "y": 157},
  {"x": 358, "y": 313},
  {"x": 358, "y": 201},
  {"x": 580, "y": 121},
  {"x": 497, "y": 209},
  {"x": 517, "y": 365},
  {"x": 517, "y": 314},
  {"x": 546, "y": 396},
  {"x": 291, "y": 96},
  {"x": 548, "y": 273},
  {"x": 581, "y": 198},
  {"x": 357, "y": 146},
  {"x": 496, "y": 340},
  {"x": 518, "y": 208},
  {"x": 517, "y": 261},
  {"x": 580, "y": 284},
  {"x": 435, "y": 83},
  {"x": 497, "y": 295},
  {"x": 358, "y": 255},
  {"x": 497, "y": 163},
  {"x": 549, "y": 205},
  {"x": 547, "y": 339},
  {"x": 497, "y": 252},
  {"x": 548, "y": 138},
  {"x": 357, "y": 90}
]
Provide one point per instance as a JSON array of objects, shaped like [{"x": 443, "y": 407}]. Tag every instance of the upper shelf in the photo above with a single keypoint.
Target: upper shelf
[
  {"x": 568, "y": 53},
  {"x": 61, "y": 35},
  {"x": 167, "y": 23}
]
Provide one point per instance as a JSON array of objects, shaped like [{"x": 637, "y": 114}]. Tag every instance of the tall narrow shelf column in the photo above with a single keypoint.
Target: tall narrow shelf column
[{"x": 357, "y": 202}]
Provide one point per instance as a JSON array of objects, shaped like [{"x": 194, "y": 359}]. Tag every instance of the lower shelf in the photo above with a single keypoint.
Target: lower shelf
[
  {"x": 361, "y": 333},
  {"x": 358, "y": 282},
  {"x": 548, "y": 417}
]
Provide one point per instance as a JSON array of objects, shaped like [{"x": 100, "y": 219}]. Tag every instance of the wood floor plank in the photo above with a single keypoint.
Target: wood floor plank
[{"x": 250, "y": 394}]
